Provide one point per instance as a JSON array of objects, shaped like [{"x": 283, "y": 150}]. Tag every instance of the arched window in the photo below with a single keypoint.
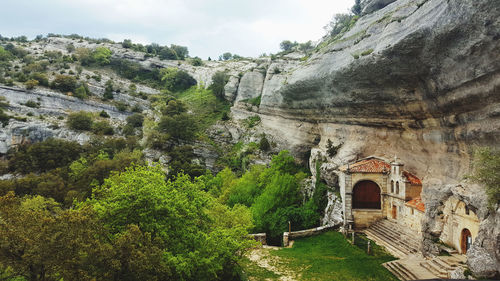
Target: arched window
[
  {"x": 397, "y": 187},
  {"x": 392, "y": 186},
  {"x": 366, "y": 195}
]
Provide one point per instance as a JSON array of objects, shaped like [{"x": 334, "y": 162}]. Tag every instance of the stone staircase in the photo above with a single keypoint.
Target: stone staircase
[
  {"x": 398, "y": 241},
  {"x": 404, "y": 244},
  {"x": 400, "y": 271},
  {"x": 441, "y": 266}
]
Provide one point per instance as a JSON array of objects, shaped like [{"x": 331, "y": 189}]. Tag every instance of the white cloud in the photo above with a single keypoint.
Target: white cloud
[{"x": 207, "y": 27}]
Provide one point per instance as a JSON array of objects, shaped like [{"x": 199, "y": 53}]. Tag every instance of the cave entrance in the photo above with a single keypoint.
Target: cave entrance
[
  {"x": 465, "y": 240},
  {"x": 366, "y": 195}
]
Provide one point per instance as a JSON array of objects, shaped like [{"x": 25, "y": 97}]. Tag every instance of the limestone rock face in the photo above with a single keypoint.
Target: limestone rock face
[
  {"x": 250, "y": 85},
  {"x": 373, "y": 5},
  {"x": 231, "y": 88},
  {"x": 51, "y": 106}
]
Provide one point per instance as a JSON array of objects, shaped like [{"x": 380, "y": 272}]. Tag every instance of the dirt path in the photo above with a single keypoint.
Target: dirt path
[{"x": 263, "y": 258}]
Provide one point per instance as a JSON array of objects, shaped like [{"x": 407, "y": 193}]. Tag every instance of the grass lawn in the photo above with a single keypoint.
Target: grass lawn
[{"x": 330, "y": 256}]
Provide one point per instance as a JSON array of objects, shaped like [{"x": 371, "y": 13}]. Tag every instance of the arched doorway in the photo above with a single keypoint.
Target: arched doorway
[
  {"x": 465, "y": 240},
  {"x": 366, "y": 195}
]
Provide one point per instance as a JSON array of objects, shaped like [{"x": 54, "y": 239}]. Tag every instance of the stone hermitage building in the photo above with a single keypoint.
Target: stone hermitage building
[{"x": 374, "y": 189}]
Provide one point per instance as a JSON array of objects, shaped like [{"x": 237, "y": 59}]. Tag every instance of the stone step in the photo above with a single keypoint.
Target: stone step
[
  {"x": 390, "y": 240},
  {"x": 399, "y": 270},
  {"x": 409, "y": 241},
  {"x": 400, "y": 242},
  {"x": 435, "y": 271},
  {"x": 442, "y": 264},
  {"x": 395, "y": 228},
  {"x": 387, "y": 244}
]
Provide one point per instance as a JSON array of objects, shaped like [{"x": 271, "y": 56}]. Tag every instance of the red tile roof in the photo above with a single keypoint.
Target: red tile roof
[
  {"x": 416, "y": 204},
  {"x": 412, "y": 178},
  {"x": 370, "y": 165}
]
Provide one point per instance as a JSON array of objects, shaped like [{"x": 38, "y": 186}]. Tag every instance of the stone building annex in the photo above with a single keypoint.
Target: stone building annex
[{"x": 383, "y": 200}]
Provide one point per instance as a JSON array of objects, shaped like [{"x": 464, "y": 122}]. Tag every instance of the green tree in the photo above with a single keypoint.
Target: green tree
[
  {"x": 178, "y": 213},
  {"x": 181, "y": 126},
  {"x": 40, "y": 241},
  {"x": 356, "y": 9},
  {"x": 167, "y": 53},
  {"x": 339, "y": 24},
  {"x": 287, "y": 45},
  {"x": 44, "y": 156},
  {"x": 176, "y": 80},
  {"x": 227, "y": 56},
  {"x": 485, "y": 171},
  {"x": 181, "y": 51},
  {"x": 102, "y": 55},
  {"x": 127, "y": 43},
  {"x": 219, "y": 81}
]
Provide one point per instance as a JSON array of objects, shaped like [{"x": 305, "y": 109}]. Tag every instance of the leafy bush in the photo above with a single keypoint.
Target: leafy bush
[
  {"x": 102, "y": 128},
  {"x": 104, "y": 114},
  {"x": 41, "y": 78},
  {"x": 32, "y": 104},
  {"x": 135, "y": 120},
  {"x": 264, "y": 143},
  {"x": 252, "y": 121},
  {"x": 108, "y": 90},
  {"x": 4, "y": 118},
  {"x": 176, "y": 80},
  {"x": 181, "y": 126},
  {"x": 127, "y": 43},
  {"x": 31, "y": 84},
  {"x": 196, "y": 61},
  {"x": 64, "y": 83},
  {"x": 80, "y": 92},
  {"x": 102, "y": 55},
  {"x": 80, "y": 121}
]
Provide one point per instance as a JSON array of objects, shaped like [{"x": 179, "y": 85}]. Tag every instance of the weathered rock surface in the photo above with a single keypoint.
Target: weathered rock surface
[
  {"x": 231, "y": 88},
  {"x": 373, "y": 5},
  {"x": 250, "y": 85}
]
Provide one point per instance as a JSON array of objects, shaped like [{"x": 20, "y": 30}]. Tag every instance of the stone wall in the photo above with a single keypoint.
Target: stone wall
[
  {"x": 287, "y": 236},
  {"x": 259, "y": 237},
  {"x": 363, "y": 218}
]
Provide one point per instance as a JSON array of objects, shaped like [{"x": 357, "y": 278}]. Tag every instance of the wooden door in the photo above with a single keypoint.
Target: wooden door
[
  {"x": 465, "y": 240},
  {"x": 366, "y": 195},
  {"x": 394, "y": 212}
]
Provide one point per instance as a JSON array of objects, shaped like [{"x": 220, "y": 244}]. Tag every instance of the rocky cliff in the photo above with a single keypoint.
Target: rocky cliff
[
  {"x": 419, "y": 79},
  {"x": 416, "y": 79}
]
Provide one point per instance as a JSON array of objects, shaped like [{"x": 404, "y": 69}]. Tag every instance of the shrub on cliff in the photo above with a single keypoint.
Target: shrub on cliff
[
  {"x": 219, "y": 80},
  {"x": 80, "y": 121},
  {"x": 486, "y": 167},
  {"x": 64, "y": 83}
]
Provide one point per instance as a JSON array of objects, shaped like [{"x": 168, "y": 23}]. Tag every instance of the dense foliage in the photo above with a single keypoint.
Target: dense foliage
[
  {"x": 273, "y": 194},
  {"x": 137, "y": 226},
  {"x": 486, "y": 167}
]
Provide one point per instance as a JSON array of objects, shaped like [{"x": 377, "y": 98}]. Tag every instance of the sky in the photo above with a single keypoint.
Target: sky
[{"x": 206, "y": 27}]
